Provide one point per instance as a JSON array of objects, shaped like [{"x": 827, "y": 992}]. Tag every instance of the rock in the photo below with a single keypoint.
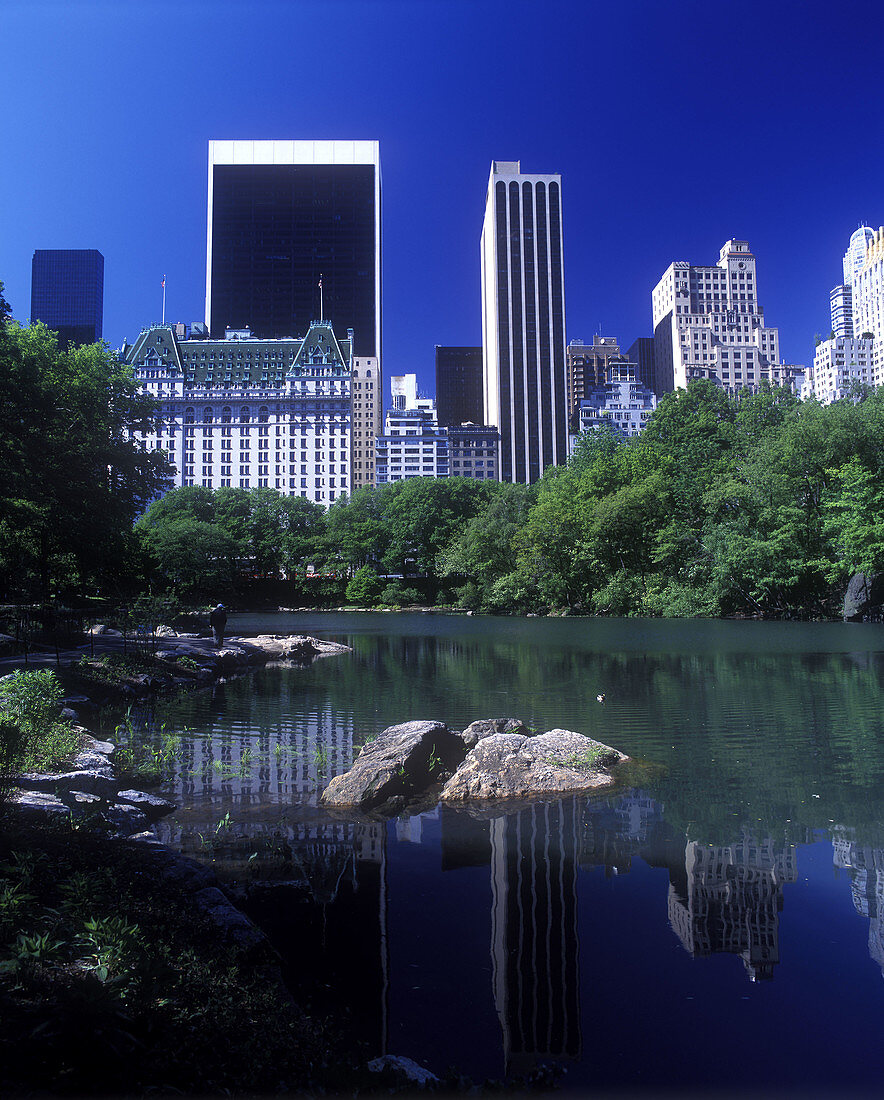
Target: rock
[
  {"x": 92, "y": 744},
  {"x": 36, "y": 806},
  {"x": 98, "y": 781},
  {"x": 404, "y": 1068},
  {"x": 509, "y": 765},
  {"x": 125, "y": 819},
  {"x": 235, "y": 925},
  {"x": 403, "y": 761},
  {"x": 485, "y": 727},
  {"x": 864, "y": 596},
  {"x": 151, "y": 805},
  {"x": 166, "y": 632}
]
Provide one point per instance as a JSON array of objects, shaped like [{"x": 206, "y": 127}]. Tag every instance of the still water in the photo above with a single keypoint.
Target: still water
[{"x": 716, "y": 923}]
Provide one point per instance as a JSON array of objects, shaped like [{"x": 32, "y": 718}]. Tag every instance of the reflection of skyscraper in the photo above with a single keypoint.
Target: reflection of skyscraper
[
  {"x": 866, "y": 868},
  {"x": 615, "y": 831},
  {"x": 534, "y": 944},
  {"x": 729, "y": 899}
]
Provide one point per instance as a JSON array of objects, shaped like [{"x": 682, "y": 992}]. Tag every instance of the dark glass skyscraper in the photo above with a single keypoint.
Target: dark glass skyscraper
[
  {"x": 67, "y": 293},
  {"x": 284, "y": 216},
  {"x": 459, "y": 386},
  {"x": 523, "y": 320}
]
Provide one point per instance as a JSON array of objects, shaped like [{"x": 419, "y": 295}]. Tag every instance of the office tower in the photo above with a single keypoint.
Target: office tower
[
  {"x": 248, "y": 413},
  {"x": 365, "y": 417},
  {"x": 641, "y": 352},
  {"x": 841, "y": 296},
  {"x": 708, "y": 324},
  {"x": 855, "y": 256},
  {"x": 837, "y": 364},
  {"x": 283, "y": 217},
  {"x": 587, "y": 368},
  {"x": 412, "y": 444},
  {"x": 459, "y": 385},
  {"x": 67, "y": 293},
  {"x": 523, "y": 320}
]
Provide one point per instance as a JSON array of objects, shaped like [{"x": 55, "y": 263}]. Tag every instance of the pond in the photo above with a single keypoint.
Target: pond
[{"x": 715, "y": 923}]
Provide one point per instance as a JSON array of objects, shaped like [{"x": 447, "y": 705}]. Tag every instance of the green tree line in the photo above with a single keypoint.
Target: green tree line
[{"x": 758, "y": 504}]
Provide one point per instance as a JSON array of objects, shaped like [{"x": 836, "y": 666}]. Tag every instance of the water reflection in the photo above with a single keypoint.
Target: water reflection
[{"x": 865, "y": 866}]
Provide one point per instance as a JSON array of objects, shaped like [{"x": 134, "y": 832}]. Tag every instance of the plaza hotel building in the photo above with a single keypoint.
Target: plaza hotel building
[{"x": 249, "y": 413}]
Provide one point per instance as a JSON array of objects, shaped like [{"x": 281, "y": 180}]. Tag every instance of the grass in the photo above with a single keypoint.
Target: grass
[
  {"x": 596, "y": 756},
  {"x": 112, "y": 983}
]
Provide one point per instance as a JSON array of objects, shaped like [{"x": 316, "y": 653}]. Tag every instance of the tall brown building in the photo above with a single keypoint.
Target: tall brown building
[{"x": 587, "y": 367}]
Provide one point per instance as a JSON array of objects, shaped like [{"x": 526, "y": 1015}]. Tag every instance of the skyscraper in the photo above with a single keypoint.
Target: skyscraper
[
  {"x": 67, "y": 293},
  {"x": 285, "y": 217},
  {"x": 523, "y": 320},
  {"x": 459, "y": 385},
  {"x": 841, "y": 296}
]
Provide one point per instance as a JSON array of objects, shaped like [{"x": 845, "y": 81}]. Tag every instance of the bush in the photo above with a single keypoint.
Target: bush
[
  {"x": 32, "y": 735},
  {"x": 396, "y": 595},
  {"x": 364, "y": 588}
]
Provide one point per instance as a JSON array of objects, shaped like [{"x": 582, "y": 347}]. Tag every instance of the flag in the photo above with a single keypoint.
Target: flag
[
  {"x": 164, "y": 282},
  {"x": 320, "y": 282}
]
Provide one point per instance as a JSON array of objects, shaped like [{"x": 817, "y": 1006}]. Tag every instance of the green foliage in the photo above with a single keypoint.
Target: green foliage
[
  {"x": 32, "y": 735},
  {"x": 74, "y": 476},
  {"x": 365, "y": 587},
  {"x": 396, "y": 594}
]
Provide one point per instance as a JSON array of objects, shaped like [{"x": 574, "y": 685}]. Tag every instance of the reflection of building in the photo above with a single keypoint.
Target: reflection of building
[
  {"x": 866, "y": 868},
  {"x": 534, "y": 941},
  {"x": 67, "y": 293},
  {"x": 729, "y": 897},
  {"x": 615, "y": 831},
  {"x": 523, "y": 320}
]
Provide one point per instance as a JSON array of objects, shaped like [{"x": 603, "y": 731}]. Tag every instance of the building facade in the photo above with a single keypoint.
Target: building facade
[
  {"x": 283, "y": 218},
  {"x": 868, "y": 291},
  {"x": 708, "y": 324},
  {"x": 587, "y": 368},
  {"x": 523, "y": 320},
  {"x": 67, "y": 293},
  {"x": 414, "y": 444},
  {"x": 248, "y": 413},
  {"x": 641, "y": 352},
  {"x": 459, "y": 385},
  {"x": 365, "y": 418},
  {"x": 623, "y": 403},
  {"x": 837, "y": 365}
]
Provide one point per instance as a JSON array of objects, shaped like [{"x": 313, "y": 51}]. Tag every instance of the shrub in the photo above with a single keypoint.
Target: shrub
[
  {"x": 32, "y": 735},
  {"x": 396, "y": 595},
  {"x": 364, "y": 588}
]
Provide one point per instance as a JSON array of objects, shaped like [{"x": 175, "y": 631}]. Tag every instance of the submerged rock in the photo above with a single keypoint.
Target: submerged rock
[{"x": 511, "y": 765}]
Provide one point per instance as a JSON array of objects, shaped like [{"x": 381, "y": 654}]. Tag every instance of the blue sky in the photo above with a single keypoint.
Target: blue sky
[{"x": 675, "y": 125}]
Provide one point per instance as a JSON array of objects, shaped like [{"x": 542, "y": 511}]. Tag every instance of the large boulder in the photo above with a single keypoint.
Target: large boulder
[
  {"x": 864, "y": 596},
  {"x": 513, "y": 766},
  {"x": 399, "y": 764}
]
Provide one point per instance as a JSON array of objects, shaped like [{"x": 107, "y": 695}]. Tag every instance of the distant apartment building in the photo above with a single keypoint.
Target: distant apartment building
[
  {"x": 841, "y": 300},
  {"x": 586, "y": 366},
  {"x": 365, "y": 418},
  {"x": 868, "y": 293},
  {"x": 414, "y": 444},
  {"x": 623, "y": 403},
  {"x": 708, "y": 324},
  {"x": 838, "y": 363},
  {"x": 248, "y": 413},
  {"x": 67, "y": 293},
  {"x": 641, "y": 352},
  {"x": 459, "y": 385}
]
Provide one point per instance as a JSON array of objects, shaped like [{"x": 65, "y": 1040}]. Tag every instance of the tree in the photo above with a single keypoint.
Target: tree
[{"x": 74, "y": 476}]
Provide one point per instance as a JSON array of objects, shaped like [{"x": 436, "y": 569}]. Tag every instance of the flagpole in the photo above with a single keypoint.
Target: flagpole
[
  {"x": 321, "y": 318},
  {"x": 164, "y": 299}
]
